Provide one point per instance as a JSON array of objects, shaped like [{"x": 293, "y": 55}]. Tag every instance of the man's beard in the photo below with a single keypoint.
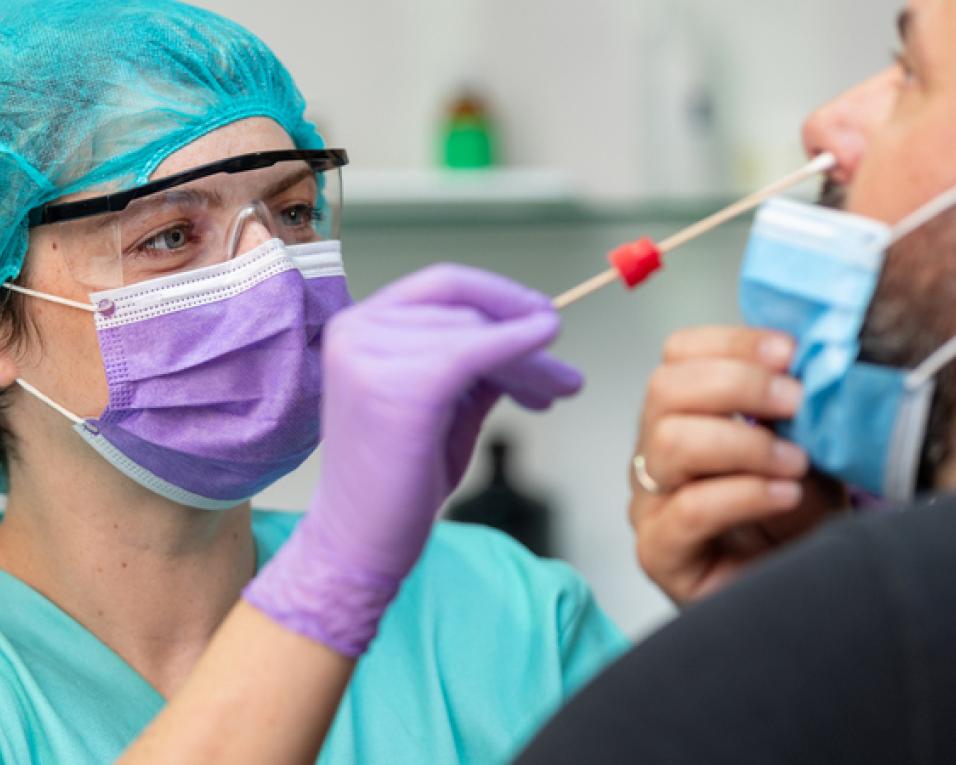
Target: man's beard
[
  {"x": 832, "y": 195},
  {"x": 911, "y": 315}
]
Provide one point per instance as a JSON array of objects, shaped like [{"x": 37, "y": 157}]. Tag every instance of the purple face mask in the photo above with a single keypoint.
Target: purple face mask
[{"x": 214, "y": 374}]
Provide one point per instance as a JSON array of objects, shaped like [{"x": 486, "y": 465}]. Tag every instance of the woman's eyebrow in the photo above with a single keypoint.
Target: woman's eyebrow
[
  {"x": 177, "y": 196},
  {"x": 143, "y": 208},
  {"x": 290, "y": 181},
  {"x": 210, "y": 197}
]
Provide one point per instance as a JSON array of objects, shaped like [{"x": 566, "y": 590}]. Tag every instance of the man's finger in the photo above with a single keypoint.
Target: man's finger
[
  {"x": 683, "y": 448},
  {"x": 770, "y": 349},
  {"x": 720, "y": 387},
  {"x": 700, "y": 512}
]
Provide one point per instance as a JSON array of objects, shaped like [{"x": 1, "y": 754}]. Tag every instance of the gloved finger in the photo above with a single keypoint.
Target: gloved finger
[
  {"x": 534, "y": 402},
  {"x": 399, "y": 331},
  {"x": 541, "y": 374},
  {"x": 472, "y": 410},
  {"x": 397, "y": 318},
  {"x": 480, "y": 352},
  {"x": 449, "y": 284}
]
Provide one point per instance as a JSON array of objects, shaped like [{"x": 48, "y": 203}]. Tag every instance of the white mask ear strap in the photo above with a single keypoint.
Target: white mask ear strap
[
  {"x": 933, "y": 365},
  {"x": 50, "y": 402},
  {"x": 906, "y": 444},
  {"x": 932, "y": 209},
  {"x": 102, "y": 308}
]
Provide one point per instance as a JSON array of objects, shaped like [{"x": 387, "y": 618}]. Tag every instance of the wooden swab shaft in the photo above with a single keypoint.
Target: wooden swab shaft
[
  {"x": 584, "y": 289},
  {"x": 819, "y": 165}
]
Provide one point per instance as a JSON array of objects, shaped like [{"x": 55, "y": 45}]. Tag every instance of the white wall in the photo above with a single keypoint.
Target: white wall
[{"x": 578, "y": 84}]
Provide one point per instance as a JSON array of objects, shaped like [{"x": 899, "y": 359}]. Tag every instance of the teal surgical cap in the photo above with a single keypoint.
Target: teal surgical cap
[{"x": 97, "y": 93}]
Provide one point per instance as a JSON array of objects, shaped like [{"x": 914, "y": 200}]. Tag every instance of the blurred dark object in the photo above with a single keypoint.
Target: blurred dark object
[{"x": 503, "y": 506}]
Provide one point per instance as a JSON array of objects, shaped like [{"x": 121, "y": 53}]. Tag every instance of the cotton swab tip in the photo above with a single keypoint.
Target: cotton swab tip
[{"x": 821, "y": 163}]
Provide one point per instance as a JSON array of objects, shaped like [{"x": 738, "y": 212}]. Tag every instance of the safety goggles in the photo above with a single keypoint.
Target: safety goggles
[{"x": 198, "y": 218}]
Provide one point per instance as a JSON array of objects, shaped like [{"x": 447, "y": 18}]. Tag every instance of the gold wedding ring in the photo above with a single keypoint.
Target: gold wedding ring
[{"x": 643, "y": 477}]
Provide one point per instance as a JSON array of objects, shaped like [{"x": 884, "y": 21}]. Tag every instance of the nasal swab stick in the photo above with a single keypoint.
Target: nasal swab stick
[{"x": 636, "y": 261}]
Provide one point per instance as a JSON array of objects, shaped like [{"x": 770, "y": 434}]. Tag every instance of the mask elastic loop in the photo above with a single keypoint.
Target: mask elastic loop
[
  {"x": 89, "y": 307},
  {"x": 932, "y": 366},
  {"x": 932, "y": 209},
  {"x": 50, "y": 402}
]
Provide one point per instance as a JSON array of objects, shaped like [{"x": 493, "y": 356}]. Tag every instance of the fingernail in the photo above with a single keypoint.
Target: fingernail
[
  {"x": 786, "y": 394},
  {"x": 789, "y": 458},
  {"x": 786, "y": 494},
  {"x": 776, "y": 350}
]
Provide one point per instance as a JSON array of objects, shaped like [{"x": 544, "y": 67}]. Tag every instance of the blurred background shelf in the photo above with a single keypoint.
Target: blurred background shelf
[
  {"x": 417, "y": 198},
  {"x": 439, "y": 187}
]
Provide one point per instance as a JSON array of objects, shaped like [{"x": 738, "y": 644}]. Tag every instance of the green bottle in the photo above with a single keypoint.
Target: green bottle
[{"x": 468, "y": 135}]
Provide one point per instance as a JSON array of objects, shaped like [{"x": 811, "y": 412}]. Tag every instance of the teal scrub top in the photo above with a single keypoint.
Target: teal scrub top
[{"x": 482, "y": 644}]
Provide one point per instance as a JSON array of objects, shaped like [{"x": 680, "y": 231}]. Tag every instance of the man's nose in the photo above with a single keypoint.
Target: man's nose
[{"x": 844, "y": 126}]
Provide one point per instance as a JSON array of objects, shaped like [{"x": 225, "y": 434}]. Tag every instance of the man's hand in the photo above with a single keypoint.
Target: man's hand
[{"x": 730, "y": 490}]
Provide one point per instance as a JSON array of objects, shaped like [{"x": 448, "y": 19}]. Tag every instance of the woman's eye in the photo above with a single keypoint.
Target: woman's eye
[
  {"x": 169, "y": 240},
  {"x": 300, "y": 215}
]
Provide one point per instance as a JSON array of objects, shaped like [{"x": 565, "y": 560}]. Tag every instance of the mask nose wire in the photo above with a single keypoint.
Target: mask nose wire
[{"x": 256, "y": 211}]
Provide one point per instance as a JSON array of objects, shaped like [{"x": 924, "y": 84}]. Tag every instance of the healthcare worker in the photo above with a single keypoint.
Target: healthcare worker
[{"x": 170, "y": 256}]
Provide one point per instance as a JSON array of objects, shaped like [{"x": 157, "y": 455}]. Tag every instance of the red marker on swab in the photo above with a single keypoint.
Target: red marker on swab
[{"x": 635, "y": 262}]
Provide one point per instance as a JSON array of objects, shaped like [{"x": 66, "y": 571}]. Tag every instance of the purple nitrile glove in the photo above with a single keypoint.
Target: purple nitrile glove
[{"x": 409, "y": 376}]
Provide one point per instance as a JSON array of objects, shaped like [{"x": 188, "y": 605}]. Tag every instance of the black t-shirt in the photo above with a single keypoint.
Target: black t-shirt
[{"x": 841, "y": 649}]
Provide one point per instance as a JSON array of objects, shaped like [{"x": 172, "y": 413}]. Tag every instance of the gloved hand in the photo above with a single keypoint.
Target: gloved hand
[{"x": 409, "y": 376}]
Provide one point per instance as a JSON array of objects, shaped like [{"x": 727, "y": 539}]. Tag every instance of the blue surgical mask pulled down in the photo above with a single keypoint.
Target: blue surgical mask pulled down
[{"x": 811, "y": 272}]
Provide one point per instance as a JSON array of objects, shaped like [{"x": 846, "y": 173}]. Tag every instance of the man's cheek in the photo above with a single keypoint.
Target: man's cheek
[
  {"x": 891, "y": 181},
  {"x": 871, "y": 193}
]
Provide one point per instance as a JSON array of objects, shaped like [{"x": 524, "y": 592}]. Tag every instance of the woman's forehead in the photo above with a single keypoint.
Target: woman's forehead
[{"x": 243, "y": 137}]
